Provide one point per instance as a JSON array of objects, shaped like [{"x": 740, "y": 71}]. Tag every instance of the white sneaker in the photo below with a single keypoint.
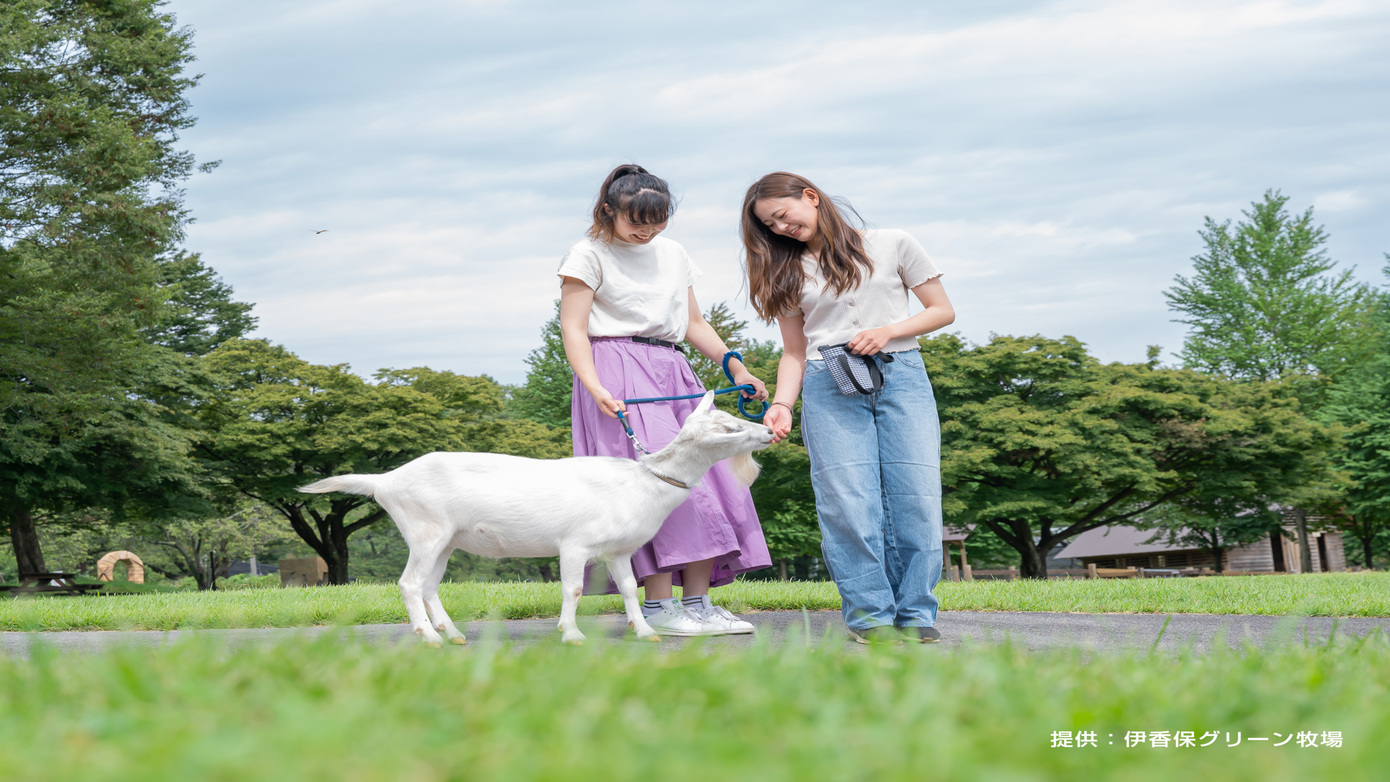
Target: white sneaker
[
  {"x": 712, "y": 614},
  {"x": 675, "y": 619}
]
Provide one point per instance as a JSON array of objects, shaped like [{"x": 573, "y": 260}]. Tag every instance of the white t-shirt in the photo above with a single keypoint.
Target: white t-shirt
[
  {"x": 900, "y": 264},
  {"x": 640, "y": 290}
]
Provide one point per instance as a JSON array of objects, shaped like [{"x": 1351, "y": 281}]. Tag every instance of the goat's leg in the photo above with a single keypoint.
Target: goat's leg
[
  {"x": 620, "y": 568},
  {"x": 572, "y": 583},
  {"x": 441, "y": 620},
  {"x": 413, "y": 580}
]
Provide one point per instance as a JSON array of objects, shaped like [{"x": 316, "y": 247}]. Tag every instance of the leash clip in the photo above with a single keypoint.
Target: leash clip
[{"x": 631, "y": 435}]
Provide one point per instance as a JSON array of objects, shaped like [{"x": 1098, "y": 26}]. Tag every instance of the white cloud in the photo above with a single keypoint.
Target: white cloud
[
  {"x": 1338, "y": 201},
  {"x": 1056, "y": 159}
]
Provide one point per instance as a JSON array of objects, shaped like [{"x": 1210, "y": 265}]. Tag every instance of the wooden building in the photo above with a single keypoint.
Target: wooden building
[{"x": 1119, "y": 546}]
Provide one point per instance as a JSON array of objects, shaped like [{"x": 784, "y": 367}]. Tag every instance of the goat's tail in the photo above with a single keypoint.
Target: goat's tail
[{"x": 348, "y": 484}]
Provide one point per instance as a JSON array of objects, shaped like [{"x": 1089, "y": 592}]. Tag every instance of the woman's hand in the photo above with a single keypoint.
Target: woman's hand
[
  {"x": 868, "y": 343},
  {"x": 779, "y": 419},
  {"x": 606, "y": 402},
  {"x": 745, "y": 378}
]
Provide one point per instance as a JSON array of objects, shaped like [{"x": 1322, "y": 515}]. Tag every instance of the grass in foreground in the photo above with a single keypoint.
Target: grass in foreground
[
  {"x": 1333, "y": 594},
  {"x": 330, "y": 709}
]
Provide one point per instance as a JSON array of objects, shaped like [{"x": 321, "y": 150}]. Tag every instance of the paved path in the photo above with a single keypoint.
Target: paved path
[{"x": 1033, "y": 631}]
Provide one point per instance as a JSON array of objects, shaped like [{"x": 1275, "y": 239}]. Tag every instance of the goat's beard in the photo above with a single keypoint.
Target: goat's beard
[{"x": 745, "y": 470}]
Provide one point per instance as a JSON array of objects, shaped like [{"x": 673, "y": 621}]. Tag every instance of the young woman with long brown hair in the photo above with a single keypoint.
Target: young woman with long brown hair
[
  {"x": 875, "y": 457},
  {"x": 626, "y": 303}
]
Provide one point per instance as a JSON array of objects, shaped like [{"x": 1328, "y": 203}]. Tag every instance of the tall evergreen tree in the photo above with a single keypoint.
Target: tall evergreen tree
[
  {"x": 730, "y": 329},
  {"x": 1360, "y": 402},
  {"x": 91, "y": 103},
  {"x": 199, "y": 312},
  {"x": 549, "y": 382}
]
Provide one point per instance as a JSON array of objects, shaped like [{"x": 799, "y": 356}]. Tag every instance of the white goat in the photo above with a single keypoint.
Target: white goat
[{"x": 583, "y": 509}]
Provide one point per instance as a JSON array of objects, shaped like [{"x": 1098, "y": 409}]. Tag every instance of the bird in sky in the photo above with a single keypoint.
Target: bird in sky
[{"x": 319, "y": 232}]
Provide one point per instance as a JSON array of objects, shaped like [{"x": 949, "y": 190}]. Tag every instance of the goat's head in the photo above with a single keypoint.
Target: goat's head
[{"x": 727, "y": 437}]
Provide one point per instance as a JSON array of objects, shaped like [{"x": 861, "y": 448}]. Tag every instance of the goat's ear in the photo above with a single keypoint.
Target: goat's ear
[{"x": 706, "y": 403}]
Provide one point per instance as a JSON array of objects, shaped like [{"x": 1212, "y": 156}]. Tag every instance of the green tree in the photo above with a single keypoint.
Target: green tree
[
  {"x": 545, "y": 398},
  {"x": 91, "y": 450},
  {"x": 792, "y": 530},
  {"x": 730, "y": 329},
  {"x": 91, "y": 102},
  {"x": 1266, "y": 303},
  {"x": 279, "y": 423},
  {"x": 783, "y": 495},
  {"x": 1216, "y": 526},
  {"x": 1041, "y": 442},
  {"x": 1360, "y": 402},
  {"x": 199, "y": 312},
  {"x": 204, "y": 548}
]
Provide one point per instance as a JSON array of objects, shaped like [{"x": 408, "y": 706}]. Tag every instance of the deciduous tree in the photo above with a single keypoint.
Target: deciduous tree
[
  {"x": 1265, "y": 303},
  {"x": 204, "y": 548},
  {"x": 1042, "y": 442},
  {"x": 279, "y": 423}
]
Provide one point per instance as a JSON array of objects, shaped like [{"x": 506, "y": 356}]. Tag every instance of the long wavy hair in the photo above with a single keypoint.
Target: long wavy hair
[
  {"x": 636, "y": 194},
  {"x": 773, "y": 263}
]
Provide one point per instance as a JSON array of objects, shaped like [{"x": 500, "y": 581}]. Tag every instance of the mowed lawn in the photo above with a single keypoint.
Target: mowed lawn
[
  {"x": 1330, "y": 594},
  {"x": 331, "y": 708}
]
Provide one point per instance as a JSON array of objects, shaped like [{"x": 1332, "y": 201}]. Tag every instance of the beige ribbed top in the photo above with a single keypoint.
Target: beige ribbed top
[{"x": 900, "y": 264}]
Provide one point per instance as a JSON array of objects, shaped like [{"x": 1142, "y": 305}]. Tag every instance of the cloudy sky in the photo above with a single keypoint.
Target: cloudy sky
[{"x": 1056, "y": 159}]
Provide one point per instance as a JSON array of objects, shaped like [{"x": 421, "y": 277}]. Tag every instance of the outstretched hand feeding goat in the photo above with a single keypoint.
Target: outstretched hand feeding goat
[{"x": 583, "y": 509}]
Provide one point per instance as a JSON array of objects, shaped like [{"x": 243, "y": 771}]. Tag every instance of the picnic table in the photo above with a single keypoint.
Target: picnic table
[{"x": 52, "y": 583}]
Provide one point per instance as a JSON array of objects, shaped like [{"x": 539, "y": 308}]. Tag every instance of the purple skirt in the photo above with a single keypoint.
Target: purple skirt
[{"x": 718, "y": 520}]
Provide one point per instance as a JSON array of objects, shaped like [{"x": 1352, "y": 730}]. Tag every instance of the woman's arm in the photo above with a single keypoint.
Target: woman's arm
[
  {"x": 576, "y": 302},
  {"x": 790, "y": 371},
  {"x": 706, "y": 340},
  {"x": 938, "y": 314}
]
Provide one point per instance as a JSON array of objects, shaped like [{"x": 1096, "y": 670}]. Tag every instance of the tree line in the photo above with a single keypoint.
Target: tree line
[
  {"x": 1279, "y": 408},
  {"x": 134, "y": 404}
]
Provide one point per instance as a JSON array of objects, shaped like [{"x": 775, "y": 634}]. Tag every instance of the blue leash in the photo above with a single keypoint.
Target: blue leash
[{"x": 742, "y": 401}]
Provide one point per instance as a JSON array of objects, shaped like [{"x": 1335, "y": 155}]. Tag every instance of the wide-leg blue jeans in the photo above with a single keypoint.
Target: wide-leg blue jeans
[{"x": 876, "y": 471}]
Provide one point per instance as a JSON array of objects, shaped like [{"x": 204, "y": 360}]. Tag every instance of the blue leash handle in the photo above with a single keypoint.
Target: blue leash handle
[
  {"x": 742, "y": 400},
  {"x": 747, "y": 388}
]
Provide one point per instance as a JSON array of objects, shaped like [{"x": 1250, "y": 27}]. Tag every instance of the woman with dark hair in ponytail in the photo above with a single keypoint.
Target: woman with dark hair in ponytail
[
  {"x": 626, "y": 303},
  {"x": 874, "y": 440}
]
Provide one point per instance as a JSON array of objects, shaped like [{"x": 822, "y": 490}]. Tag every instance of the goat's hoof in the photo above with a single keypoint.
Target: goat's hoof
[
  {"x": 434, "y": 642},
  {"x": 656, "y": 639},
  {"x": 572, "y": 641},
  {"x": 460, "y": 641}
]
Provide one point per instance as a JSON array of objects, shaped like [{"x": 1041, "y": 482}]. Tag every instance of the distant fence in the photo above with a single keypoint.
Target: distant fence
[{"x": 954, "y": 573}]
